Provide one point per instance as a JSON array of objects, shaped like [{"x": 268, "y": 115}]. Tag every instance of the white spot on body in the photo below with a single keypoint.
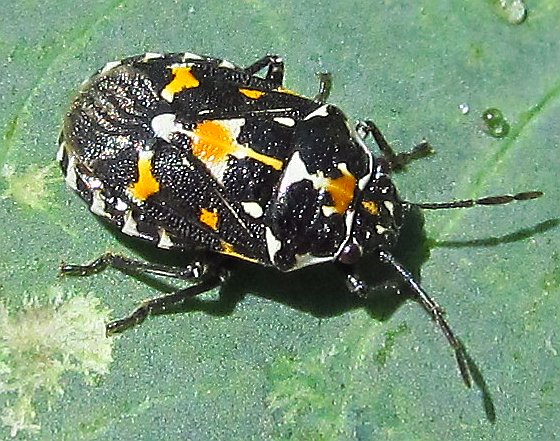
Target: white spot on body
[
  {"x": 151, "y": 56},
  {"x": 121, "y": 205},
  {"x": 273, "y": 245},
  {"x": 328, "y": 211},
  {"x": 295, "y": 171},
  {"x": 380, "y": 229},
  {"x": 165, "y": 241},
  {"x": 98, "y": 204},
  {"x": 285, "y": 121},
  {"x": 190, "y": 56},
  {"x": 227, "y": 64},
  {"x": 60, "y": 152},
  {"x": 164, "y": 126},
  {"x": 175, "y": 65},
  {"x": 167, "y": 96},
  {"x": 145, "y": 155},
  {"x": 272, "y": 111},
  {"x": 117, "y": 203},
  {"x": 363, "y": 182},
  {"x": 109, "y": 66},
  {"x": 253, "y": 209},
  {"x": 344, "y": 168},
  {"x": 71, "y": 177},
  {"x": 130, "y": 227},
  {"x": 389, "y": 206},
  {"x": 92, "y": 182},
  {"x": 320, "y": 111}
]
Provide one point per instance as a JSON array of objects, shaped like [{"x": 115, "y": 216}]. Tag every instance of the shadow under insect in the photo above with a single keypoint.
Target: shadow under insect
[{"x": 320, "y": 290}]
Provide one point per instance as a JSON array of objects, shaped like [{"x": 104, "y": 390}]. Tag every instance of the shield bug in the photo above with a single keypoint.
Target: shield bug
[{"x": 194, "y": 153}]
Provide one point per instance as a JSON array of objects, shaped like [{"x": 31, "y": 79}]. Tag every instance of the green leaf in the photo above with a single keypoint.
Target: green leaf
[{"x": 290, "y": 356}]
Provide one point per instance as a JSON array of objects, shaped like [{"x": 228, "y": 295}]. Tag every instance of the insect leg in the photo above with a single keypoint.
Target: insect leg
[
  {"x": 191, "y": 271},
  {"x": 355, "y": 285},
  {"x": 158, "y": 305},
  {"x": 435, "y": 312},
  {"x": 358, "y": 287},
  {"x": 208, "y": 277},
  {"x": 275, "y": 66},
  {"x": 397, "y": 161},
  {"x": 325, "y": 86}
]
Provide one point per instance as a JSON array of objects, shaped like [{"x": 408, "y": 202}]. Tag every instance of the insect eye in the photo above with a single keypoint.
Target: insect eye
[{"x": 350, "y": 254}]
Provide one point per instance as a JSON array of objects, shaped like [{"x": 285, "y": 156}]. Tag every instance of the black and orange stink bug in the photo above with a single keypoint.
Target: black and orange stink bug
[{"x": 194, "y": 153}]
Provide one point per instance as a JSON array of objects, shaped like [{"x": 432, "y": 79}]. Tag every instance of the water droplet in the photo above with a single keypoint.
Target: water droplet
[
  {"x": 464, "y": 108},
  {"x": 514, "y": 11},
  {"x": 494, "y": 122}
]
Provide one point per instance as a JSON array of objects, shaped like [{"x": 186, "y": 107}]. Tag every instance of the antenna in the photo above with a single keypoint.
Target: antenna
[
  {"x": 489, "y": 200},
  {"x": 429, "y": 304},
  {"x": 435, "y": 312}
]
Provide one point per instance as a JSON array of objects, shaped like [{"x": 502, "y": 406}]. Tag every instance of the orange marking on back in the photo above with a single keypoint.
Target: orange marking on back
[
  {"x": 342, "y": 190},
  {"x": 210, "y": 218},
  {"x": 228, "y": 249},
  {"x": 147, "y": 184},
  {"x": 252, "y": 93},
  {"x": 371, "y": 207},
  {"x": 213, "y": 142},
  {"x": 183, "y": 78}
]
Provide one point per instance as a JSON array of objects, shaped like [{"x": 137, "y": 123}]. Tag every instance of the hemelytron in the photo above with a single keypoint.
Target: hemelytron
[{"x": 194, "y": 153}]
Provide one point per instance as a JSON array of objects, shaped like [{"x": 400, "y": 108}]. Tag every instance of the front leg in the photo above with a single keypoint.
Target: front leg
[
  {"x": 355, "y": 285},
  {"x": 396, "y": 161}
]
